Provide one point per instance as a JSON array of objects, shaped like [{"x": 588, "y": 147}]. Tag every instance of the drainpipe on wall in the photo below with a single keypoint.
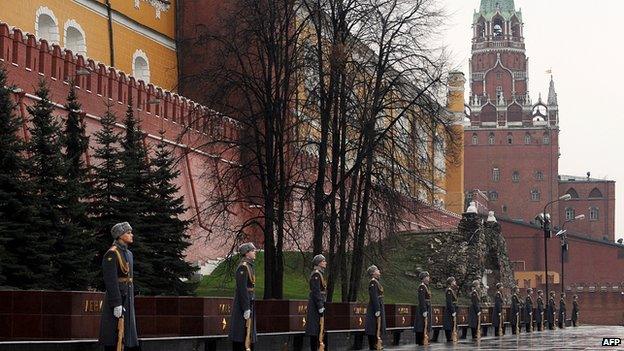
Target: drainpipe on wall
[{"x": 109, "y": 11}]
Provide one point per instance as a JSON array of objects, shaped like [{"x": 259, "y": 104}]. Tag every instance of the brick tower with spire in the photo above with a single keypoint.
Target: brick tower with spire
[{"x": 511, "y": 143}]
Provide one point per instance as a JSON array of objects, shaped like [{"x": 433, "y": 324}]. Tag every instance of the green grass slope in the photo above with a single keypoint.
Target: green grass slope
[{"x": 400, "y": 260}]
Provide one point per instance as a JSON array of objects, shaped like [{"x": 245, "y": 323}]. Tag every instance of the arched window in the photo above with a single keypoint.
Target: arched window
[
  {"x": 569, "y": 214},
  {"x": 572, "y": 192},
  {"x": 75, "y": 38},
  {"x": 515, "y": 177},
  {"x": 515, "y": 28},
  {"x": 593, "y": 214},
  {"x": 546, "y": 139},
  {"x": 140, "y": 66},
  {"x": 491, "y": 139},
  {"x": 527, "y": 139},
  {"x": 475, "y": 139},
  {"x": 493, "y": 195},
  {"x": 505, "y": 208},
  {"x": 535, "y": 195},
  {"x": 495, "y": 174},
  {"x": 539, "y": 175},
  {"x": 595, "y": 194},
  {"x": 498, "y": 27},
  {"x": 509, "y": 138},
  {"x": 46, "y": 25}
]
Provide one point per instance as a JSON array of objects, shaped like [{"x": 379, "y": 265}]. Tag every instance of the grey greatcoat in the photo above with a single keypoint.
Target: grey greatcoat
[
  {"x": 316, "y": 301},
  {"x": 515, "y": 311},
  {"x": 375, "y": 304},
  {"x": 497, "y": 313},
  {"x": 540, "y": 311},
  {"x": 528, "y": 310},
  {"x": 451, "y": 307},
  {"x": 475, "y": 308},
  {"x": 575, "y": 311},
  {"x": 424, "y": 305},
  {"x": 118, "y": 272},
  {"x": 550, "y": 312},
  {"x": 243, "y": 300},
  {"x": 562, "y": 312}
]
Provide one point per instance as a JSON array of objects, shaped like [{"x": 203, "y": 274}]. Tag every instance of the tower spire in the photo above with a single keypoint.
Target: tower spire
[{"x": 552, "y": 94}]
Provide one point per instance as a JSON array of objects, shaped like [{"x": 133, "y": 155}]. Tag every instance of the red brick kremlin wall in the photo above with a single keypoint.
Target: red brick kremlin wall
[
  {"x": 188, "y": 127},
  {"x": 593, "y": 269}
]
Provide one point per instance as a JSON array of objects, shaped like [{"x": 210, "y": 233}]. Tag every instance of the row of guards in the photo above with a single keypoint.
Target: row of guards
[{"x": 118, "y": 329}]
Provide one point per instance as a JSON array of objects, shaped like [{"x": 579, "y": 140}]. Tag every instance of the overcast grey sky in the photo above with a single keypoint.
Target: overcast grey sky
[{"x": 583, "y": 43}]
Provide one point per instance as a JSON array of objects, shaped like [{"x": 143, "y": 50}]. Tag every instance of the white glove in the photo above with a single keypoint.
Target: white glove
[
  {"x": 499, "y": 314},
  {"x": 378, "y": 313},
  {"x": 247, "y": 314},
  {"x": 321, "y": 310},
  {"x": 425, "y": 314},
  {"x": 454, "y": 314},
  {"x": 478, "y": 313},
  {"x": 117, "y": 311}
]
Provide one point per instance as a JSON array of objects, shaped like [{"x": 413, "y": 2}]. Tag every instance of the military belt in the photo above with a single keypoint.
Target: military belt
[
  {"x": 251, "y": 289},
  {"x": 125, "y": 280}
]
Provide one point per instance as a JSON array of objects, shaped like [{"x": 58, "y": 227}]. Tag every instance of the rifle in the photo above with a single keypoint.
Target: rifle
[
  {"x": 554, "y": 313},
  {"x": 478, "y": 327},
  {"x": 531, "y": 321},
  {"x": 542, "y": 321},
  {"x": 120, "y": 333},
  {"x": 321, "y": 334},
  {"x": 518, "y": 323},
  {"x": 426, "y": 331},
  {"x": 500, "y": 324},
  {"x": 378, "y": 345},
  {"x": 454, "y": 332},
  {"x": 248, "y": 335}
]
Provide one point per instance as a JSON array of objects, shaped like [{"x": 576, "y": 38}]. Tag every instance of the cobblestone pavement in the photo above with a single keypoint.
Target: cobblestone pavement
[{"x": 580, "y": 338}]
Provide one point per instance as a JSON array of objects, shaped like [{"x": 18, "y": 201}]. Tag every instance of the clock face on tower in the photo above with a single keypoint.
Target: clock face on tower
[
  {"x": 498, "y": 30},
  {"x": 540, "y": 110}
]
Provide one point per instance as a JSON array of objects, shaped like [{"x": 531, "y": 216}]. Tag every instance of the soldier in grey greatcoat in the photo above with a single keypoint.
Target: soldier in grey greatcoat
[
  {"x": 497, "y": 314},
  {"x": 243, "y": 311},
  {"x": 375, "y": 325},
  {"x": 474, "y": 311},
  {"x": 118, "y": 273},
  {"x": 528, "y": 311},
  {"x": 551, "y": 311},
  {"x": 515, "y": 311},
  {"x": 316, "y": 303},
  {"x": 539, "y": 313},
  {"x": 562, "y": 311},
  {"x": 450, "y": 312},
  {"x": 575, "y": 311},
  {"x": 424, "y": 309}
]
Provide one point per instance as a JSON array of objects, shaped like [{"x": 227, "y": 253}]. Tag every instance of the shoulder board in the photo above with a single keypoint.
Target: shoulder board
[
  {"x": 123, "y": 264},
  {"x": 250, "y": 275}
]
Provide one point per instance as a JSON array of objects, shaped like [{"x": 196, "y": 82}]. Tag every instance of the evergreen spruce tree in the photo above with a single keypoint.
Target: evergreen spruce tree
[
  {"x": 134, "y": 202},
  {"x": 106, "y": 189},
  {"x": 16, "y": 206},
  {"x": 170, "y": 238},
  {"x": 74, "y": 247},
  {"x": 46, "y": 170}
]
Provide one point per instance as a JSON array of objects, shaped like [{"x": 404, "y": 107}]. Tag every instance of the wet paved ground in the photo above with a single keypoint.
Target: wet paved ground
[{"x": 580, "y": 338}]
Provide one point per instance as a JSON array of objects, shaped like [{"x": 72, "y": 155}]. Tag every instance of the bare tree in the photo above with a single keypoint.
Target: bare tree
[
  {"x": 254, "y": 58},
  {"x": 379, "y": 91}
]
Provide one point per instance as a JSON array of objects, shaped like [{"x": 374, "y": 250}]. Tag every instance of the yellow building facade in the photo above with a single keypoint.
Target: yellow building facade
[{"x": 143, "y": 32}]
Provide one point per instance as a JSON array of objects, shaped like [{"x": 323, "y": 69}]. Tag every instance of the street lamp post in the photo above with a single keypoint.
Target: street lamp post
[
  {"x": 545, "y": 219},
  {"x": 564, "y": 246}
]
